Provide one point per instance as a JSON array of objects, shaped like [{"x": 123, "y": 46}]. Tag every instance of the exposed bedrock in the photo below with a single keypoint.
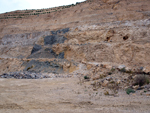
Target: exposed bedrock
[
  {"x": 63, "y": 50},
  {"x": 34, "y": 53}
]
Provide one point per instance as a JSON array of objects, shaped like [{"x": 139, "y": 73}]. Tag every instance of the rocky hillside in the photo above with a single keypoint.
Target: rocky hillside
[
  {"x": 114, "y": 33},
  {"x": 95, "y": 56}
]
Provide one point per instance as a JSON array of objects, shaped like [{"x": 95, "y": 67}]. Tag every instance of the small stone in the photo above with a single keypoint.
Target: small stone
[
  {"x": 136, "y": 87},
  {"x": 105, "y": 83},
  {"x": 93, "y": 82},
  {"x": 147, "y": 86},
  {"x": 96, "y": 77},
  {"x": 127, "y": 69},
  {"x": 146, "y": 69},
  {"x": 103, "y": 65},
  {"x": 141, "y": 68},
  {"x": 108, "y": 67},
  {"x": 139, "y": 88},
  {"x": 109, "y": 78},
  {"x": 121, "y": 66},
  {"x": 84, "y": 62},
  {"x": 134, "y": 94},
  {"x": 67, "y": 65},
  {"x": 33, "y": 76},
  {"x": 134, "y": 76},
  {"x": 106, "y": 93},
  {"x": 118, "y": 81},
  {"x": 148, "y": 94},
  {"x": 94, "y": 89}
]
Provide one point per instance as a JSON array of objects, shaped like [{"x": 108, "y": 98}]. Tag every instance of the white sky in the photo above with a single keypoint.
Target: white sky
[{"x": 12, "y": 5}]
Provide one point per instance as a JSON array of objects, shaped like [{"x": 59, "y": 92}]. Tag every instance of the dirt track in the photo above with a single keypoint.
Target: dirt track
[{"x": 64, "y": 96}]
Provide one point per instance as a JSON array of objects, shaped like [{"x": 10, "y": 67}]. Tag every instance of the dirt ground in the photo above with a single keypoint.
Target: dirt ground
[{"x": 65, "y": 95}]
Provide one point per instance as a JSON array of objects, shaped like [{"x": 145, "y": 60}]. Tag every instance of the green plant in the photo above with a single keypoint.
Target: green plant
[
  {"x": 112, "y": 69},
  {"x": 86, "y": 77},
  {"x": 123, "y": 70},
  {"x": 147, "y": 81},
  {"x": 109, "y": 73},
  {"x": 129, "y": 90},
  {"x": 101, "y": 76}
]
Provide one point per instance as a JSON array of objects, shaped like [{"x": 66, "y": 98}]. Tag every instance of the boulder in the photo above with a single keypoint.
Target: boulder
[{"x": 36, "y": 48}]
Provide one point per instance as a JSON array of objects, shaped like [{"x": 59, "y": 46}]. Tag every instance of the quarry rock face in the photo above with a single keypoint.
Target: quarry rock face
[
  {"x": 114, "y": 32},
  {"x": 88, "y": 57}
]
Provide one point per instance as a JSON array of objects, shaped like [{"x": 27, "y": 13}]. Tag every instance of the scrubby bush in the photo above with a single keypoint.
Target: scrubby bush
[
  {"x": 86, "y": 77},
  {"x": 129, "y": 90},
  {"x": 112, "y": 69},
  {"x": 77, "y": 3},
  {"x": 123, "y": 70},
  {"x": 141, "y": 80},
  {"x": 106, "y": 93}
]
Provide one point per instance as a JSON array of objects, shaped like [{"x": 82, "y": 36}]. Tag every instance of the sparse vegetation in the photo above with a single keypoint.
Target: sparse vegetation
[
  {"x": 129, "y": 90},
  {"x": 86, "y": 77},
  {"x": 109, "y": 73},
  {"x": 26, "y": 12},
  {"x": 123, "y": 70},
  {"x": 141, "y": 80},
  {"x": 30, "y": 67},
  {"x": 106, "y": 93},
  {"x": 113, "y": 69}
]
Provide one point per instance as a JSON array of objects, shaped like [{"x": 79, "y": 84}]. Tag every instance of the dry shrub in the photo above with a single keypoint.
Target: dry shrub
[{"x": 141, "y": 80}]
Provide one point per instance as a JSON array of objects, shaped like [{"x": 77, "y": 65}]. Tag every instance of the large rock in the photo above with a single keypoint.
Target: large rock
[
  {"x": 36, "y": 48},
  {"x": 54, "y": 39},
  {"x": 57, "y": 37}
]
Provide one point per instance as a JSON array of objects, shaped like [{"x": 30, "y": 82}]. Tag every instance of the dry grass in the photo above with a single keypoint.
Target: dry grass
[{"x": 141, "y": 80}]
